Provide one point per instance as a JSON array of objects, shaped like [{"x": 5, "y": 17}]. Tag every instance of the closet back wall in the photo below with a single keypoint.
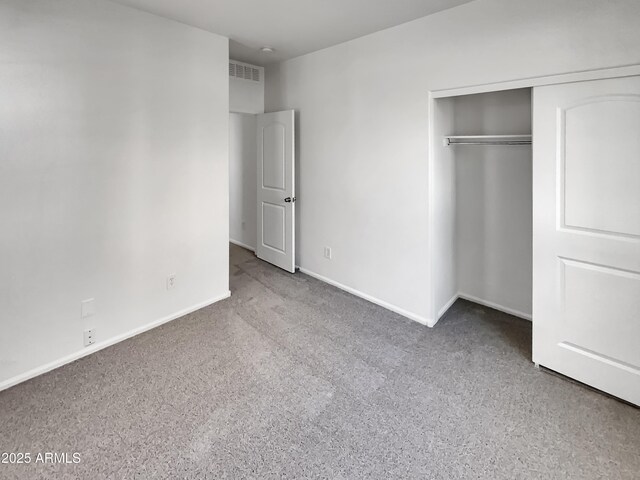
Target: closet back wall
[{"x": 494, "y": 201}]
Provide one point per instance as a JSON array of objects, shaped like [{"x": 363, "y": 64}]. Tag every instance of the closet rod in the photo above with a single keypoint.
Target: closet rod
[
  {"x": 487, "y": 140},
  {"x": 523, "y": 142}
]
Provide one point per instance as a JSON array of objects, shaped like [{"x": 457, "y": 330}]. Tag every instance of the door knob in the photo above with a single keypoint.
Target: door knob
[{"x": 289, "y": 199}]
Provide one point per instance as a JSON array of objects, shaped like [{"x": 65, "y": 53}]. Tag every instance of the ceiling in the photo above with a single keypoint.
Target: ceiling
[{"x": 291, "y": 27}]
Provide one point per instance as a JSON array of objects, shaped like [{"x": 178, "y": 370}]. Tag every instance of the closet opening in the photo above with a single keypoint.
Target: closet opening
[{"x": 482, "y": 201}]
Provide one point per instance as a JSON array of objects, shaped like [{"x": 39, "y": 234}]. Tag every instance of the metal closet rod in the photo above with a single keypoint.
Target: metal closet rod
[
  {"x": 488, "y": 140},
  {"x": 523, "y": 142}
]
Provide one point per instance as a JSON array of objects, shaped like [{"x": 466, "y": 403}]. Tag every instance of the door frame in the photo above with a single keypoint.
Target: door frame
[{"x": 432, "y": 96}]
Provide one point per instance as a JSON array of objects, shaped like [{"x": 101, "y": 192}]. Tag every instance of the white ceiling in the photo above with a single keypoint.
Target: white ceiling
[{"x": 292, "y": 27}]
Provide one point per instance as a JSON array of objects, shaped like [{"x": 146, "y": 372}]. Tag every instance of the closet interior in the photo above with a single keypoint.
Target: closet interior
[{"x": 483, "y": 201}]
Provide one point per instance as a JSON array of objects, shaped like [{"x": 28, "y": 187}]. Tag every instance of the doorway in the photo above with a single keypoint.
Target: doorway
[
  {"x": 243, "y": 156},
  {"x": 262, "y": 192}
]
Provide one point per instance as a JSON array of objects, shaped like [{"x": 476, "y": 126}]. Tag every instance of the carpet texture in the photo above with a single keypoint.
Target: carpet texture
[{"x": 292, "y": 378}]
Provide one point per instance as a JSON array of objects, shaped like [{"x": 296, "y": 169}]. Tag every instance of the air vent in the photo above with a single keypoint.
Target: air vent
[{"x": 245, "y": 72}]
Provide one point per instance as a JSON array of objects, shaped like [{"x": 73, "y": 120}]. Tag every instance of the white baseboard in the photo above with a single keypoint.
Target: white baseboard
[
  {"x": 243, "y": 245},
  {"x": 480, "y": 301},
  {"x": 447, "y": 305},
  {"x": 400, "y": 311},
  {"x": 495, "y": 306},
  {"x": 106, "y": 343}
]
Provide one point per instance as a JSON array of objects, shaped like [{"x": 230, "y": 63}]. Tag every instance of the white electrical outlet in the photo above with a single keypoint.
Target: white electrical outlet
[
  {"x": 327, "y": 253},
  {"x": 89, "y": 337},
  {"x": 87, "y": 308},
  {"x": 171, "y": 281}
]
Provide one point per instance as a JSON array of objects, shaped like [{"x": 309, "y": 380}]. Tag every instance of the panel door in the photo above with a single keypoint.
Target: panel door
[
  {"x": 276, "y": 189},
  {"x": 586, "y": 248}
]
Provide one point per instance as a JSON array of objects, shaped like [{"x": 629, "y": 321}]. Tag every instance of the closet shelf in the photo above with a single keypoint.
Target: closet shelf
[{"x": 487, "y": 140}]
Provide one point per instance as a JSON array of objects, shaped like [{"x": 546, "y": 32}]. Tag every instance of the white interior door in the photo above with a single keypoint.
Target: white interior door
[
  {"x": 586, "y": 245},
  {"x": 276, "y": 189}
]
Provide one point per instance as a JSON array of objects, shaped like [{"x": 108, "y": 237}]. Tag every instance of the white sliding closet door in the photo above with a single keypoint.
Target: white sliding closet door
[{"x": 586, "y": 246}]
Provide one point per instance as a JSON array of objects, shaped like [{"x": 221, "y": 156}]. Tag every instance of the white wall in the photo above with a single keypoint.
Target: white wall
[
  {"x": 444, "y": 248},
  {"x": 362, "y": 109},
  {"x": 246, "y": 96},
  {"x": 242, "y": 179},
  {"x": 493, "y": 188},
  {"x": 113, "y": 175}
]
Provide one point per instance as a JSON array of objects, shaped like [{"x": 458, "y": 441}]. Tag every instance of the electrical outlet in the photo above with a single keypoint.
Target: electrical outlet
[
  {"x": 89, "y": 337},
  {"x": 171, "y": 281},
  {"x": 327, "y": 253},
  {"x": 87, "y": 308}
]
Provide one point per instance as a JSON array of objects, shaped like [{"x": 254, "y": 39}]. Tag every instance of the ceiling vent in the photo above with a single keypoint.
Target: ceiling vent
[{"x": 244, "y": 71}]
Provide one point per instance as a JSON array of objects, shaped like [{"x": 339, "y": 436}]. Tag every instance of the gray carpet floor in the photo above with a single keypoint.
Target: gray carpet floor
[{"x": 292, "y": 378}]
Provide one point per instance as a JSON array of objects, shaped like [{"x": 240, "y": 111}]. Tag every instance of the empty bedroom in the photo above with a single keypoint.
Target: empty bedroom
[{"x": 320, "y": 239}]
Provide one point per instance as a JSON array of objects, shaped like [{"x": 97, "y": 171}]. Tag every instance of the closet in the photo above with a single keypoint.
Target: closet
[
  {"x": 535, "y": 210},
  {"x": 484, "y": 146}
]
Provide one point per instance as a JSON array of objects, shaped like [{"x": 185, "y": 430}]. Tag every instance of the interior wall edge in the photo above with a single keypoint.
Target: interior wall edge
[
  {"x": 448, "y": 305},
  {"x": 47, "y": 367}
]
